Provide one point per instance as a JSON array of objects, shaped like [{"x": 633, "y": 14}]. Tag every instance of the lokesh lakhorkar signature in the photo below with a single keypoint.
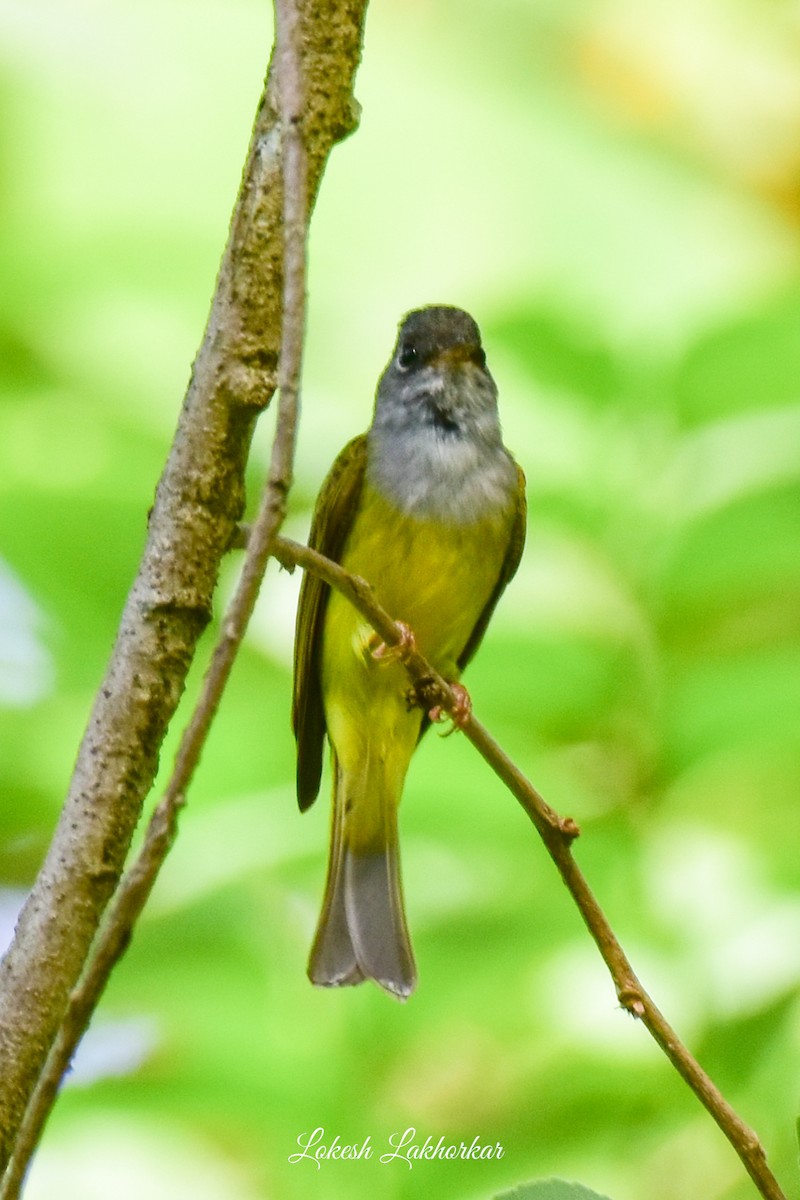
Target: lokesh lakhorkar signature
[{"x": 407, "y": 1147}]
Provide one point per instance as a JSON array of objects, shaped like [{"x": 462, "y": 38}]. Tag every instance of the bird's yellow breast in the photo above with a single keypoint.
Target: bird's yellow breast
[{"x": 435, "y": 577}]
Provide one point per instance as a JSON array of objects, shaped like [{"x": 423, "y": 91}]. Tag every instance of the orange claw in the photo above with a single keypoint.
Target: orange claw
[
  {"x": 405, "y": 646},
  {"x": 461, "y": 710}
]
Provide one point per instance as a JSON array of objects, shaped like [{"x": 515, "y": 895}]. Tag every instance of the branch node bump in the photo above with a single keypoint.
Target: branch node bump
[
  {"x": 570, "y": 829},
  {"x": 631, "y": 1000},
  {"x": 427, "y": 693}
]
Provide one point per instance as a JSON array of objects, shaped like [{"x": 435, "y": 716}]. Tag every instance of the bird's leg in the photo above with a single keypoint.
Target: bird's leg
[
  {"x": 461, "y": 710},
  {"x": 405, "y": 646}
]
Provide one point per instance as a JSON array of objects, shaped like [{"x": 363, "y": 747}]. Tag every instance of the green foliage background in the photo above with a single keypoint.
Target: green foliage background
[{"x": 612, "y": 188}]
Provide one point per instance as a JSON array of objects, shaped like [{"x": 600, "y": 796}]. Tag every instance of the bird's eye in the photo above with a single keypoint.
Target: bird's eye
[
  {"x": 406, "y": 356},
  {"x": 479, "y": 357}
]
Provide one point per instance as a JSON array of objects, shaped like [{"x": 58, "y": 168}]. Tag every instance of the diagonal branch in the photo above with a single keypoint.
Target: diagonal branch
[
  {"x": 198, "y": 503},
  {"x": 558, "y": 834}
]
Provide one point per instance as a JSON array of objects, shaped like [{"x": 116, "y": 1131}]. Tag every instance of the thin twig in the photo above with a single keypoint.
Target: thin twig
[
  {"x": 558, "y": 834},
  {"x": 139, "y": 880}
]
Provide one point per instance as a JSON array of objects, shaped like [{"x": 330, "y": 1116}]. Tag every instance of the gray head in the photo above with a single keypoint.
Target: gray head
[
  {"x": 435, "y": 447},
  {"x": 437, "y": 379}
]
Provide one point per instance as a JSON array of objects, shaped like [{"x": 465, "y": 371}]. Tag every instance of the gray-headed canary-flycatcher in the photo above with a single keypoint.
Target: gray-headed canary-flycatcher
[{"x": 429, "y": 506}]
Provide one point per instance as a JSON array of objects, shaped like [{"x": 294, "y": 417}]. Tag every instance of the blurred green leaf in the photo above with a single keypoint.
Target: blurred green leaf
[
  {"x": 550, "y": 1189},
  {"x": 747, "y": 365}
]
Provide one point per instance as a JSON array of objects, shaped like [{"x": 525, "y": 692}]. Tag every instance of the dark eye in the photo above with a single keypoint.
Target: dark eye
[
  {"x": 479, "y": 357},
  {"x": 406, "y": 356}
]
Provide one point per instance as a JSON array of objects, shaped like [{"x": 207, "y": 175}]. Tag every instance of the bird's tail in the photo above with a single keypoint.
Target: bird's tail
[{"x": 362, "y": 932}]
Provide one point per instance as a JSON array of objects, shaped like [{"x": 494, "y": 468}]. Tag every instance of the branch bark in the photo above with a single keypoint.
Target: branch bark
[
  {"x": 137, "y": 884},
  {"x": 198, "y": 503}
]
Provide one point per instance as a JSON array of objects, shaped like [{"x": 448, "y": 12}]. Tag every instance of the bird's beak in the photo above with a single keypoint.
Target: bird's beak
[{"x": 455, "y": 356}]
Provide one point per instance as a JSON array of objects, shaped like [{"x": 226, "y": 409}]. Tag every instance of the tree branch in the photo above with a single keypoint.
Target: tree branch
[
  {"x": 138, "y": 882},
  {"x": 198, "y": 504},
  {"x": 558, "y": 834}
]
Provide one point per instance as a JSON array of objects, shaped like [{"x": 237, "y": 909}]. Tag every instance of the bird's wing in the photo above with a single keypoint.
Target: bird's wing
[
  {"x": 333, "y": 518},
  {"x": 516, "y": 542}
]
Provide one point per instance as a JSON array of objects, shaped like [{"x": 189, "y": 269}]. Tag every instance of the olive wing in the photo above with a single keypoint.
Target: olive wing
[{"x": 333, "y": 518}]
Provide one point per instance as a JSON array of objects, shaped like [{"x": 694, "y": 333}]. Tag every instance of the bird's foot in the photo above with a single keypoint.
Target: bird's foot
[
  {"x": 461, "y": 710},
  {"x": 405, "y": 646}
]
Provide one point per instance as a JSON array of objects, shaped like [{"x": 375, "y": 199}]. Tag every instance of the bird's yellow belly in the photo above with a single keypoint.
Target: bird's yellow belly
[{"x": 437, "y": 578}]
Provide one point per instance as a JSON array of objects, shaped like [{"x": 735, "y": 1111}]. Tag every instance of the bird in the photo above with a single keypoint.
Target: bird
[{"x": 429, "y": 506}]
